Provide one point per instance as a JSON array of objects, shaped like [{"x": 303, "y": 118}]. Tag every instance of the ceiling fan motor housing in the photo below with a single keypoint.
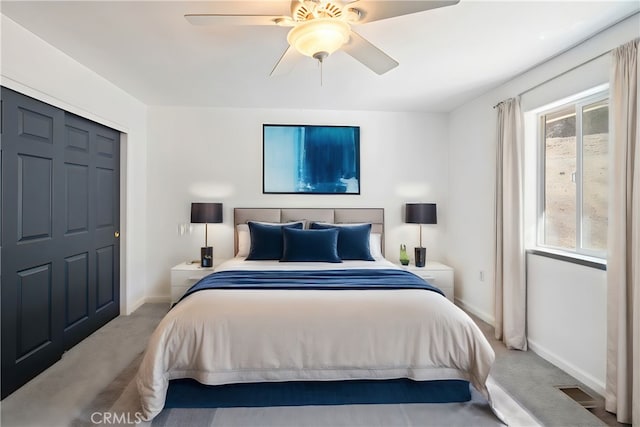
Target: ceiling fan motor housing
[
  {"x": 319, "y": 35},
  {"x": 309, "y": 9}
]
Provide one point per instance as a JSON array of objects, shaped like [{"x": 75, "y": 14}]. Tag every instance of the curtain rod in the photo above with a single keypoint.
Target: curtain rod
[
  {"x": 613, "y": 24},
  {"x": 559, "y": 75}
]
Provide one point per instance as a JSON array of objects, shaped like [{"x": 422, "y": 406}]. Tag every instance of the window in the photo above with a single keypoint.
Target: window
[{"x": 574, "y": 142}]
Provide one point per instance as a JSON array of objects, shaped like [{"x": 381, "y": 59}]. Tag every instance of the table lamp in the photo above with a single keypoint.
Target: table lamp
[
  {"x": 206, "y": 213},
  {"x": 421, "y": 213}
]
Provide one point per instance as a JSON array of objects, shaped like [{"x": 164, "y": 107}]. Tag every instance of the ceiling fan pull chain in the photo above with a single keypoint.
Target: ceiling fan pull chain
[{"x": 320, "y": 56}]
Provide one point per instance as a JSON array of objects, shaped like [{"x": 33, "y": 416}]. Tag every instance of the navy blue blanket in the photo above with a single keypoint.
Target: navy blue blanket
[{"x": 313, "y": 279}]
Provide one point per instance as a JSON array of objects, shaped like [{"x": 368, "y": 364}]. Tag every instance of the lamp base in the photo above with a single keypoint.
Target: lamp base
[
  {"x": 206, "y": 256},
  {"x": 421, "y": 257}
]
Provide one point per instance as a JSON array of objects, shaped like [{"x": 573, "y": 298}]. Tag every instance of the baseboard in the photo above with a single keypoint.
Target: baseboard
[
  {"x": 150, "y": 300},
  {"x": 476, "y": 312},
  {"x": 158, "y": 299},
  {"x": 136, "y": 305},
  {"x": 579, "y": 374}
]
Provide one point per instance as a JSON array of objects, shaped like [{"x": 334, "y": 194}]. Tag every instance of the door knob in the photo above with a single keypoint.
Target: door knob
[{"x": 116, "y": 234}]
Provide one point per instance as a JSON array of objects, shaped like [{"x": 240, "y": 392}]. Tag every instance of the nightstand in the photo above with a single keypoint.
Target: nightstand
[
  {"x": 436, "y": 273},
  {"x": 184, "y": 276}
]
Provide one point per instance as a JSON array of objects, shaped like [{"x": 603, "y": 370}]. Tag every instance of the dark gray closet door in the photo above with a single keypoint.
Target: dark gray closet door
[
  {"x": 60, "y": 211},
  {"x": 32, "y": 264},
  {"x": 91, "y": 223}
]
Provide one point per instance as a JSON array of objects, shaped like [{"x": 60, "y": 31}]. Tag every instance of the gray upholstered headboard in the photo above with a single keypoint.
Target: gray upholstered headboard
[{"x": 333, "y": 215}]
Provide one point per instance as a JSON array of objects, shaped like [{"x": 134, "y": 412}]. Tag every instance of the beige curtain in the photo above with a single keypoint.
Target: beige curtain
[
  {"x": 510, "y": 282},
  {"x": 623, "y": 259}
]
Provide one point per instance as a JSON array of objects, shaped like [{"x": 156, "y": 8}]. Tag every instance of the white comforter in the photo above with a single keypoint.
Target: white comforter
[{"x": 229, "y": 336}]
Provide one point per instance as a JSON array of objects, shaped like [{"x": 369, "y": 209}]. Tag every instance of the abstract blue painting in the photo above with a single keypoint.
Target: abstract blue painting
[{"x": 311, "y": 159}]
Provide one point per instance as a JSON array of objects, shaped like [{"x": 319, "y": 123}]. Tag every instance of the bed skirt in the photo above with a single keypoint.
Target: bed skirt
[{"x": 188, "y": 393}]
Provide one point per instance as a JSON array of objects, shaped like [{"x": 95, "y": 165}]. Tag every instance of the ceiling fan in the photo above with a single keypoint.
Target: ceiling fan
[{"x": 320, "y": 27}]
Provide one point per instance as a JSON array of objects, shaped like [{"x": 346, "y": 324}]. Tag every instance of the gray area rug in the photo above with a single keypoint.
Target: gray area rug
[{"x": 119, "y": 404}]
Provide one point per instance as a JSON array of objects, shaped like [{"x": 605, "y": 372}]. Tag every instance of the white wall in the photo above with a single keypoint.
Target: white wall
[
  {"x": 35, "y": 68},
  {"x": 174, "y": 156},
  {"x": 567, "y": 322},
  {"x": 471, "y": 234},
  {"x": 204, "y": 154}
]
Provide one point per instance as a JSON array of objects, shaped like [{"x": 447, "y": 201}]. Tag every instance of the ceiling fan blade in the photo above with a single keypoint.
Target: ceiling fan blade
[
  {"x": 378, "y": 10},
  {"x": 365, "y": 52},
  {"x": 286, "y": 63},
  {"x": 213, "y": 19}
]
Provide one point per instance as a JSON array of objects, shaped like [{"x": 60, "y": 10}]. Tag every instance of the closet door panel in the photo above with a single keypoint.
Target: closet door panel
[
  {"x": 59, "y": 235},
  {"x": 32, "y": 263}
]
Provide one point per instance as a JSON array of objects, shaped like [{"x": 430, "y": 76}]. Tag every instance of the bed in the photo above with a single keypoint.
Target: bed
[{"x": 266, "y": 321}]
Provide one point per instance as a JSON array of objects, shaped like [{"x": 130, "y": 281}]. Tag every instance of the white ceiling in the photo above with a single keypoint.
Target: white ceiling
[{"x": 447, "y": 56}]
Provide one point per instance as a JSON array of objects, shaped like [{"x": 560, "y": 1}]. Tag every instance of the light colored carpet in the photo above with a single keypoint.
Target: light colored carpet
[
  {"x": 58, "y": 394},
  {"x": 96, "y": 376},
  {"x": 120, "y": 402}
]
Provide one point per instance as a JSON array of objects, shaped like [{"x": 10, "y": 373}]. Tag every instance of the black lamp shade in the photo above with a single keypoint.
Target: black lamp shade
[
  {"x": 206, "y": 213},
  {"x": 420, "y": 213}
]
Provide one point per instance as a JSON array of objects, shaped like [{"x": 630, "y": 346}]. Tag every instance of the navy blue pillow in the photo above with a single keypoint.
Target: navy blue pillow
[
  {"x": 266, "y": 240},
  {"x": 353, "y": 240},
  {"x": 310, "y": 245}
]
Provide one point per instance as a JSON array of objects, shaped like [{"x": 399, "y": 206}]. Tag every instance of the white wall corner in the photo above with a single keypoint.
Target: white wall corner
[
  {"x": 130, "y": 308},
  {"x": 147, "y": 300},
  {"x": 483, "y": 315},
  {"x": 158, "y": 299},
  {"x": 579, "y": 374}
]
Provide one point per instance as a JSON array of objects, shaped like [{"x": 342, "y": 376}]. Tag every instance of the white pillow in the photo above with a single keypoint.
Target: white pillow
[
  {"x": 375, "y": 245},
  {"x": 244, "y": 238}
]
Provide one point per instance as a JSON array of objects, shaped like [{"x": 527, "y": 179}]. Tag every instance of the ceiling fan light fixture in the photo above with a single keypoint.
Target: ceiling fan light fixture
[{"x": 319, "y": 35}]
